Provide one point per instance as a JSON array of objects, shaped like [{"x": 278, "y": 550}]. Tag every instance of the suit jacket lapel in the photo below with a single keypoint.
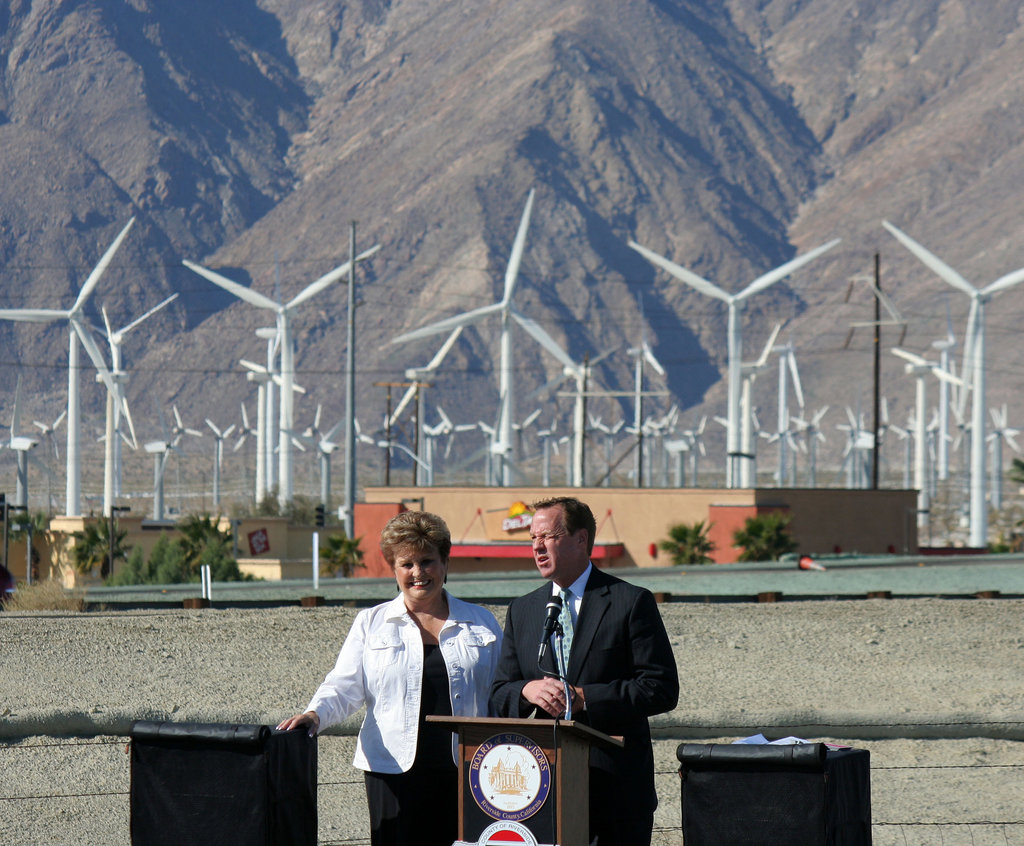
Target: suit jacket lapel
[{"x": 596, "y": 603}]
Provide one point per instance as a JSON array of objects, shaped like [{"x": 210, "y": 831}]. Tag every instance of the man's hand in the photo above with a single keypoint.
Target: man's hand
[{"x": 549, "y": 695}]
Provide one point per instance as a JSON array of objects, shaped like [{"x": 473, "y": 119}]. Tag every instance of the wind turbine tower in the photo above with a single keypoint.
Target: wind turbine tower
[
  {"x": 920, "y": 368},
  {"x": 284, "y": 314},
  {"x": 78, "y": 331},
  {"x": 735, "y": 460},
  {"x": 503, "y": 446},
  {"x": 973, "y": 370}
]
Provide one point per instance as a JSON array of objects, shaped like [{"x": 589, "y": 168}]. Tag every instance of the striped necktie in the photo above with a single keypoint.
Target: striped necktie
[{"x": 565, "y": 618}]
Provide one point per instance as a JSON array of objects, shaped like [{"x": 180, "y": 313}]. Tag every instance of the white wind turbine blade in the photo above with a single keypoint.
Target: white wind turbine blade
[
  {"x": 449, "y": 323},
  {"x": 110, "y": 336},
  {"x": 648, "y": 354},
  {"x": 768, "y": 347},
  {"x": 682, "y": 274},
  {"x": 970, "y": 352},
  {"x": 85, "y": 336},
  {"x": 533, "y": 416},
  {"x": 126, "y": 329},
  {"x": 913, "y": 358},
  {"x": 939, "y": 373},
  {"x": 544, "y": 339},
  {"x": 512, "y": 271},
  {"x": 797, "y": 387},
  {"x": 248, "y": 294},
  {"x": 1004, "y": 282},
  {"x": 255, "y": 368},
  {"x": 33, "y": 315},
  {"x": 416, "y": 373},
  {"x": 130, "y": 438},
  {"x": 931, "y": 261},
  {"x": 341, "y": 270},
  {"x": 773, "y": 276},
  {"x": 332, "y": 433},
  {"x": 439, "y": 356},
  {"x": 16, "y": 412},
  {"x": 98, "y": 271}
]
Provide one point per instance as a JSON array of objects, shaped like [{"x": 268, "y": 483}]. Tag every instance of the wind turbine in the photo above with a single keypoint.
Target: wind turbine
[
  {"x": 973, "y": 368},
  {"x": 580, "y": 373},
  {"x": 48, "y": 430},
  {"x": 284, "y": 314},
  {"x": 21, "y": 445},
  {"x": 734, "y": 459},
  {"x": 502, "y": 447},
  {"x": 115, "y": 405},
  {"x": 160, "y": 450},
  {"x": 430, "y": 435},
  {"x": 417, "y": 375},
  {"x": 859, "y": 443},
  {"x": 812, "y": 434},
  {"x": 945, "y": 346},
  {"x": 218, "y": 456},
  {"x": 325, "y": 445},
  {"x": 78, "y": 331},
  {"x": 640, "y": 354},
  {"x": 748, "y": 444},
  {"x": 787, "y": 367},
  {"x": 920, "y": 368},
  {"x": 1000, "y": 432}
]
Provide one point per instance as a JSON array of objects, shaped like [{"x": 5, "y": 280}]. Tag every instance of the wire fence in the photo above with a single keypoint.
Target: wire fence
[{"x": 969, "y": 821}]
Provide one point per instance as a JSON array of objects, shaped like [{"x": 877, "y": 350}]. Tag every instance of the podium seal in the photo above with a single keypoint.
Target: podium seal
[
  {"x": 509, "y": 777},
  {"x": 505, "y": 834}
]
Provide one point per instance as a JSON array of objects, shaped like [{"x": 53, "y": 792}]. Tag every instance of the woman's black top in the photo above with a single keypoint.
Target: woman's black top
[{"x": 434, "y": 744}]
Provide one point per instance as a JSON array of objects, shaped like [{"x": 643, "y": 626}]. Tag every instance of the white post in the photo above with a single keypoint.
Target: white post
[{"x": 316, "y": 561}]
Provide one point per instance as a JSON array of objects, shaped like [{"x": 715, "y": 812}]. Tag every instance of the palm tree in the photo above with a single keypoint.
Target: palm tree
[
  {"x": 341, "y": 553},
  {"x": 1016, "y": 472},
  {"x": 96, "y": 547},
  {"x": 18, "y": 529},
  {"x": 688, "y": 543},
  {"x": 765, "y": 537}
]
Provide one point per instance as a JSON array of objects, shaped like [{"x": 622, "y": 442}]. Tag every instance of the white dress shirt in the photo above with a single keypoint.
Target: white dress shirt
[
  {"x": 381, "y": 666},
  {"x": 577, "y": 589}
]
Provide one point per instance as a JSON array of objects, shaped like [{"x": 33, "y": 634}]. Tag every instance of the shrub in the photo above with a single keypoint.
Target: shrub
[
  {"x": 341, "y": 554},
  {"x": 49, "y": 595},
  {"x": 765, "y": 537},
  {"x": 688, "y": 543}
]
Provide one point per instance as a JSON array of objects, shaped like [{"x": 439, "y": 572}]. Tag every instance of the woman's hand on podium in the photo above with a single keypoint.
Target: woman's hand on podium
[{"x": 309, "y": 718}]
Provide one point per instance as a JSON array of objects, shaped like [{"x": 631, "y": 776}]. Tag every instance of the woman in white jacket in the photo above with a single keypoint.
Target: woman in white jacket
[{"x": 424, "y": 652}]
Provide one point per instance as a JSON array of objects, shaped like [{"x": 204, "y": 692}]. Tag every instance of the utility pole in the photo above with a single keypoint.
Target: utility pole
[
  {"x": 350, "y": 391},
  {"x": 878, "y": 369}
]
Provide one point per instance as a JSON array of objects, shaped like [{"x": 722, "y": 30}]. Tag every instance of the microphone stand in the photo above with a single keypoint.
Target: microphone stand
[{"x": 563, "y": 675}]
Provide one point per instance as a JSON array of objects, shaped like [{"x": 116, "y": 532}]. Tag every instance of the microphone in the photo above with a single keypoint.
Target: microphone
[{"x": 554, "y": 608}]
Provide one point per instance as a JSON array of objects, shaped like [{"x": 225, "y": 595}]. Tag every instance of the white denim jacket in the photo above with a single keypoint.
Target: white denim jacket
[{"x": 381, "y": 666}]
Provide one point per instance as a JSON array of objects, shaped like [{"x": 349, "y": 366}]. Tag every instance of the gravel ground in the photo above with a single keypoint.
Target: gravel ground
[{"x": 934, "y": 689}]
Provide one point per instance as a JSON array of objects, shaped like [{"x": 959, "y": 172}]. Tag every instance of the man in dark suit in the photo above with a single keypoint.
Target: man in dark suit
[{"x": 620, "y": 668}]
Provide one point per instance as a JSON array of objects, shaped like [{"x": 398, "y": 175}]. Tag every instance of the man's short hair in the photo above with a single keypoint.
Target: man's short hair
[{"x": 576, "y": 515}]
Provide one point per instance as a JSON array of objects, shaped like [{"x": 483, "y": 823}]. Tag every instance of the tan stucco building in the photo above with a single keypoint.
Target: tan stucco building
[{"x": 490, "y": 534}]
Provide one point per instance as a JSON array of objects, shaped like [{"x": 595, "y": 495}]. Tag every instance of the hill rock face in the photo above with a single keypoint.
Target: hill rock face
[{"x": 248, "y": 136}]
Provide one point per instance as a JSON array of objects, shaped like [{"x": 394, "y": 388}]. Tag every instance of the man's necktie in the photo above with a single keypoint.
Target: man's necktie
[{"x": 565, "y": 618}]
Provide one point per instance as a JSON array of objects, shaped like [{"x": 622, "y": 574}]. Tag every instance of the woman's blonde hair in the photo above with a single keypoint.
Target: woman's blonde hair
[{"x": 418, "y": 530}]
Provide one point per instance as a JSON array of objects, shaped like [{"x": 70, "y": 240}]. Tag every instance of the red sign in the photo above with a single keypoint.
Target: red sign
[{"x": 259, "y": 542}]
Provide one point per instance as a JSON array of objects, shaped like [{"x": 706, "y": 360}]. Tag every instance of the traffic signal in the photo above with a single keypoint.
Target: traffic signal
[{"x": 320, "y": 515}]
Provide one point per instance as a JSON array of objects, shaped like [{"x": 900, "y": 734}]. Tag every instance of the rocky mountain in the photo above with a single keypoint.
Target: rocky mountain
[{"x": 247, "y": 135}]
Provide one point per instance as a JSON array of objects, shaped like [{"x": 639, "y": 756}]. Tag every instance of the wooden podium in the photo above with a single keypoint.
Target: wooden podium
[{"x": 531, "y": 774}]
